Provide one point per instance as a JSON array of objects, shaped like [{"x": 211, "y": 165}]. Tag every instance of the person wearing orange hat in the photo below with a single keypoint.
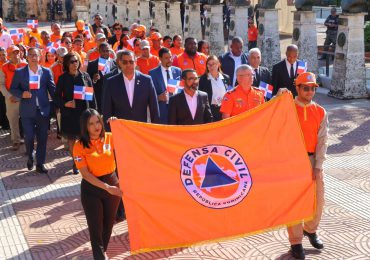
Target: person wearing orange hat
[
  {"x": 12, "y": 103},
  {"x": 140, "y": 32},
  {"x": 314, "y": 124},
  {"x": 80, "y": 28},
  {"x": 146, "y": 61},
  {"x": 156, "y": 39},
  {"x": 57, "y": 34}
]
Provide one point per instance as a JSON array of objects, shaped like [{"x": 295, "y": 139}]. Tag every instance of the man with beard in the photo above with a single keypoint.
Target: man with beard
[
  {"x": 190, "y": 58},
  {"x": 191, "y": 106}
]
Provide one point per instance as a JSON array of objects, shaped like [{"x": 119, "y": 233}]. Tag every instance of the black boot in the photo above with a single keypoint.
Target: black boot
[
  {"x": 314, "y": 240},
  {"x": 298, "y": 251}
]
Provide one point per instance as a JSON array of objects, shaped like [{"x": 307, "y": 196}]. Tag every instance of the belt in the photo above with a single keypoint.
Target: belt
[{"x": 310, "y": 154}]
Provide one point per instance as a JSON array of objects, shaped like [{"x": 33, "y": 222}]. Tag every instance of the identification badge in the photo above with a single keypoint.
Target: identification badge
[{"x": 106, "y": 148}]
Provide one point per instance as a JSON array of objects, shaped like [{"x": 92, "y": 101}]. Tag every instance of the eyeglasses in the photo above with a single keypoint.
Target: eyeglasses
[
  {"x": 308, "y": 88},
  {"x": 125, "y": 62},
  {"x": 117, "y": 28},
  {"x": 192, "y": 79},
  {"x": 73, "y": 61}
]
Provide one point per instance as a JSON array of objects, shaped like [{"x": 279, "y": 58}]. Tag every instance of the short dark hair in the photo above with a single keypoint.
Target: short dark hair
[
  {"x": 67, "y": 58},
  {"x": 103, "y": 44},
  {"x": 117, "y": 24},
  {"x": 185, "y": 72},
  {"x": 64, "y": 38},
  {"x": 128, "y": 53},
  {"x": 201, "y": 43},
  {"x": 163, "y": 51},
  {"x": 125, "y": 29},
  {"x": 165, "y": 38},
  {"x": 84, "y": 120},
  {"x": 189, "y": 39},
  {"x": 176, "y": 37},
  {"x": 77, "y": 39}
]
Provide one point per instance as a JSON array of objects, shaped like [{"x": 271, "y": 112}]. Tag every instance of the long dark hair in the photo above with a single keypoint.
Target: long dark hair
[
  {"x": 68, "y": 57},
  {"x": 84, "y": 121}
]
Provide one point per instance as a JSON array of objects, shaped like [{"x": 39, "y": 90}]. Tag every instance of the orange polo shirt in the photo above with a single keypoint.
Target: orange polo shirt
[
  {"x": 89, "y": 45},
  {"x": 238, "y": 101},
  {"x": 198, "y": 63},
  {"x": 55, "y": 38},
  {"x": 310, "y": 117},
  {"x": 98, "y": 158},
  {"x": 252, "y": 33},
  {"x": 154, "y": 52},
  {"x": 177, "y": 52},
  {"x": 9, "y": 70},
  {"x": 57, "y": 70},
  {"x": 145, "y": 65}
]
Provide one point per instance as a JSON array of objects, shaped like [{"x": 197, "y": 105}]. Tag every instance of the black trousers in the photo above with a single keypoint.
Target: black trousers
[
  {"x": 100, "y": 209},
  {"x": 4, "y": 123}
]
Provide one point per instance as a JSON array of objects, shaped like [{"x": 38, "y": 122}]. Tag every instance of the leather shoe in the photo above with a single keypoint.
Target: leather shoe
[
  {"x": 75, "y": 170},
  {"x": 298, "y": 251},
  {"x": 314, "y": 240},
  {"x": 40, "y": 168},
  {"x": 29, "y": 164}
]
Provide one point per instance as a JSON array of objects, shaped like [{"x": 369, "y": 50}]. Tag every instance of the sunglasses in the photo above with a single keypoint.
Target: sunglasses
[
  {"x": 125, "y": 62},
  {"x": 73, "y": 61},
  {"x": 307, "y": 88},
  {"x": 117, "y": 28}
]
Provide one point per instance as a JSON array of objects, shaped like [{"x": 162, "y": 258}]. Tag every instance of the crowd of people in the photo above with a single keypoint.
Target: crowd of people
[{"x": 87, "y": 77}]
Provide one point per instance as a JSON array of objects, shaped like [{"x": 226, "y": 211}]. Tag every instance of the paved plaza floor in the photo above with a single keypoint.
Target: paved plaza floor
[{"x": 41, "y": 216}]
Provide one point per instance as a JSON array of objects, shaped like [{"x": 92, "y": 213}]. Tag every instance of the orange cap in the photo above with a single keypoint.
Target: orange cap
[
  {"x": 155, "y": 36},
  {"x": 80, "y": 24},
  {"x": 12, "y": 49},
  {"x": 306, "y": 78},
  {"x": 140, "y": 28}
]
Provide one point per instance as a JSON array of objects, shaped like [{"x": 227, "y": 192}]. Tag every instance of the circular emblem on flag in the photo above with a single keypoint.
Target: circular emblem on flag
[{"x": 216, "y": 176}]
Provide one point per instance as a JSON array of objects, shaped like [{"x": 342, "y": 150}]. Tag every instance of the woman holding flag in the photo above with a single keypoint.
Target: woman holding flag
[{"x": 74, "y": 94}]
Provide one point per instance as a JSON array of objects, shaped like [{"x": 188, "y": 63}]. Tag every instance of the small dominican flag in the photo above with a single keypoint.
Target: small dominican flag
[
  {"x": 302, "y": 67},
  {"x": 83, "y": 93},
  {"x": 32, "y": 24},
  {"x": 34, "y": 82},
  {"x": 101, "y": 64},
  {"x": 78, "y": 159},
  {"x": 87, "y": 31},
  {"x": 267, "y": 89},
  {"x": 16, "y": 34},
  {"x": 174, "y": 86},
  {"x": 52, "y": 47}
]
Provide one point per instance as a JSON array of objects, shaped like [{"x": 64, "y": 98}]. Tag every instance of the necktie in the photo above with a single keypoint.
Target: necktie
[
  {"x": 291, "y": 71},
  {"x": 256, "y": 74},
  {"x": 168, "y": 74}
]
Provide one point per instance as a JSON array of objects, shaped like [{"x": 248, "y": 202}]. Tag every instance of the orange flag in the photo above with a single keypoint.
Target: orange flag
[{"x": 184, "y": 185}]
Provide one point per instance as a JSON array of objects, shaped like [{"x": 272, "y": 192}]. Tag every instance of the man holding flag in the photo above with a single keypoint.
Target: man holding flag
[
  {"x": 33, "y": 85},
  {"x": 314, "y": 124},
  {"x": 162, "y": 77}
]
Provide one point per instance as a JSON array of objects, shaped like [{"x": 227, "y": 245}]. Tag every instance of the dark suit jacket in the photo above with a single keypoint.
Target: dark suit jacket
[
  {"x": 281, "y": 78},
  {"x": 27, "y": 106},
  {"x": 263, "y": 75},
  {"x": 179, "y": 112},
  {"x": 92, "y": 69},
  {"x": 116, "y": 101},
  {"x": 205, "y": 85},
  {"x": 160, "y": 87},
  {"x": 228, "y": 64}
]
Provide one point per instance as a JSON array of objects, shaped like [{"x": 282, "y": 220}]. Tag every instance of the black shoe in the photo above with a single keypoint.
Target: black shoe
[
  {"x": 314, "y": 240},
  {"x": 40, "y": 168},
  {"x": 298, "y": 251},
  {"x": 75, "y": 170},
  {"x": 29, "y": 164}
]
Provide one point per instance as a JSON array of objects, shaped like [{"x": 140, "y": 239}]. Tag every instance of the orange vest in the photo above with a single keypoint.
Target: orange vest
[
  {"x": 198, "y": 63},
  {"x": 145, "y": 65},
  {"x": 55, "y": 38},
  {"x": 310, "y": 118},
  {"x": 57, "y": 71},
  {"x": 9, "y": 70}
]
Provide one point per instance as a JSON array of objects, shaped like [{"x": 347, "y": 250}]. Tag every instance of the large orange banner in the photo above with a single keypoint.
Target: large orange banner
[{"x": 184, "y": 185}]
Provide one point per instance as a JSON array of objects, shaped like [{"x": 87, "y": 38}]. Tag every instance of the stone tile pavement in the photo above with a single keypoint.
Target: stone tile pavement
[{"x": 41, "y": 216}]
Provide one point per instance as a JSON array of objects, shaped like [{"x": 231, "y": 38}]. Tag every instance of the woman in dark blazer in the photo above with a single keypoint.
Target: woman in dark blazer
[
  {"x": 215, "y": 84},
  {"x": 70, "y": 108}
]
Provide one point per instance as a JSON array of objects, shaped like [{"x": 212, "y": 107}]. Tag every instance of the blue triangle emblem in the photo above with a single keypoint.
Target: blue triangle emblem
[{"x": 215, "y": 177}]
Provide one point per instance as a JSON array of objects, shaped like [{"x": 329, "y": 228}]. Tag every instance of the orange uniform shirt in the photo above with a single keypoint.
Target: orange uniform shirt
[
  {"x": 198, "y": 63},
  {"x": 55, "y": 38},
  {"x": 145, "y": 65},
  {"x": 177, "y": 52},
  {"x": 9, "y": 70},
  {"x": 238, "y": 101},
  {"x": 57, "y": 70},
  {"x": 310, "y": 118},
  {"x": 89, "y": 45},
  {"x": 99, "y": 158},
  {"x": 252, "y": 33},
  {"x": 154, "y": 52}
]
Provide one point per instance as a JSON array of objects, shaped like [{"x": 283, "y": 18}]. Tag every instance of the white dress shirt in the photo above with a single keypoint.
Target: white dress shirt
[
  {"x": 130, "y": 88},
  {"x": 237, "y": 62},
  {"x": 164, "y": 74},
  {"x": 218, "y": 89},
  {"x": 288, "y": 65},
  {"x": 192, "y": 103},
  {"x": 38, "y": 73}
]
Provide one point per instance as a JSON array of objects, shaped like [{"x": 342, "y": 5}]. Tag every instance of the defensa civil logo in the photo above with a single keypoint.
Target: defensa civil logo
[{"x": 216, "y": 176}]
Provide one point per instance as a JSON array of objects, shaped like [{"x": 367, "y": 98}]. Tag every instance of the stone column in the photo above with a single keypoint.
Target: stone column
[
  {"x": 122, "y": 12},
  {"x": 239, "y": 23},
  {"x": 174, "y": 20},
  {"x": 349, "y": 73},
  {"x": 192, "y": 21},
  {"x": 82, "y": 13},
  {"x": 109, "y": 18},
  {"x": 144, "y": 13},
  {"x": 214, "y": 29},
  {"x": 304, "y": 36},
  {"x": 159, "y": 17},
  {"x": 132, "y": 11},
  {"x": 268, "y": 37}
]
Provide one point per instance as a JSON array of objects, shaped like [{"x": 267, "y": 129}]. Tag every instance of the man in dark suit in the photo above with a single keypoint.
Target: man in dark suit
[
  {"x": 260, "y": 73},
  {"x": 160, "y": 76},
  {"x": 33, "y": 85},
  {"x": 233, "y": 59},
  {"x": 129, "y": 94},
  {"x": 285, "y": 72},
  {"x": 97, "y": 75},
  {"x": 191, "y": 106}
]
